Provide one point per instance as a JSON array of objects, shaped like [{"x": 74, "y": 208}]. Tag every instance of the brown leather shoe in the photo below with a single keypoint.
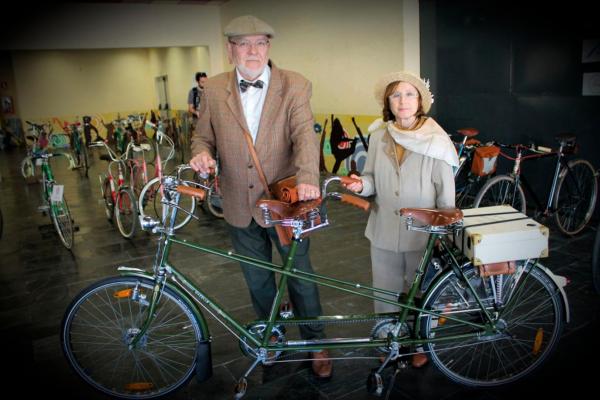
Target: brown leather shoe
[
  {"x": 419, "y": 359},
  {"x": 321, "y": 367}
]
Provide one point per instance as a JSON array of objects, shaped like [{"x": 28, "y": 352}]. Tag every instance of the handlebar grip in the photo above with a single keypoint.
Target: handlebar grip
[
  {"x": 355, "y": 201},
  {"x": 191, "y": 191},
  {"x": 346, "y": 180}
]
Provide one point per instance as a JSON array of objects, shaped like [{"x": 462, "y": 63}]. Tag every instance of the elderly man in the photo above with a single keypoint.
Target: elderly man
[{"x": 273, "y": 106}]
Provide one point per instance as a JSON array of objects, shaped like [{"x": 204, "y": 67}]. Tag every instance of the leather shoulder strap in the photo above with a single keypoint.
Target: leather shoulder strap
[{"x": 261, "y": 174}]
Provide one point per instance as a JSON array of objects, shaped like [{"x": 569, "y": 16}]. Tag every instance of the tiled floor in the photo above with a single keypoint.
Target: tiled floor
[{"x": 39, "y": 278}]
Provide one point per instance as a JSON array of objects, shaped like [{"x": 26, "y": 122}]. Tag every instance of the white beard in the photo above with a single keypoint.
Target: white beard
[{"x": 248, "y": 73}]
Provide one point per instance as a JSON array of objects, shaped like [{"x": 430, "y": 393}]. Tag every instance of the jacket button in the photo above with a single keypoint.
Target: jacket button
[
  {"x": 249, "y": 166},
  {"x": 251, "y": 186},
  {"x": 397, "y": 193}
]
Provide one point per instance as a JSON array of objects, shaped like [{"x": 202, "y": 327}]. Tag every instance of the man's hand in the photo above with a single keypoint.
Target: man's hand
[
  {"x": 203, "y": 162},
  {"x": 307, "y": 192},
  {"x": 356, "y": 187}
]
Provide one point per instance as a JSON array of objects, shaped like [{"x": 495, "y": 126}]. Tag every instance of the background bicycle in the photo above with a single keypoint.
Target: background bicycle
[
  {"x": 571, "y": 196},
  {"x": 477, "y": 163},
  {"x": 55, "y": 203}
]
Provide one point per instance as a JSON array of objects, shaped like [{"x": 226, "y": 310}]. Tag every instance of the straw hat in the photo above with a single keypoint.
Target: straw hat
[
  {"x": 248, "y": 25},
  {"x": 405, "y": 76}
]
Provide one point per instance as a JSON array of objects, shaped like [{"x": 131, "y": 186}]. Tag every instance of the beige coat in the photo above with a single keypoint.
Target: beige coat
[
  {"x": 419, "y": 181},
  {"x": 286, "y": 142}
]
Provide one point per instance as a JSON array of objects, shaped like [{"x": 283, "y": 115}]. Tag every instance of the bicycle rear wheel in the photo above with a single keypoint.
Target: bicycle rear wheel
[
  {"x": 501, "y": 190},
  {"x": 529, "y": 324},
  {"x": 575, "y": 198},
  {"x": 61, "y": 218},
  {"x": 103, "y": 319},
  {"x": 126, "y": 212}
]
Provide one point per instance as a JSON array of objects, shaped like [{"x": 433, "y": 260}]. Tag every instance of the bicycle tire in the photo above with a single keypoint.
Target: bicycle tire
[
  {"x": 61, "y": 219},
  {"x": 109, "y": 207},
  {"x": 150, "y": 205},
  {"x": 596, "y": 261},
  {"x": 126, "y": 212},
  {"x": 499, "y": 191},
  {"x": 575, "y": 198},
  {"x": 101, "y": 320},
  {"x": 27, "y": 168},
  {"x": 214, "y": 200},
  {"x": 530, "y": 322},
  {"x": 85, "y": 160}
]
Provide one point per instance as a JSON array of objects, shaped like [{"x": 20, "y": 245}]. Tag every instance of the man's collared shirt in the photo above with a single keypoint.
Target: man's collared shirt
[{"x": 253, "y": 100}]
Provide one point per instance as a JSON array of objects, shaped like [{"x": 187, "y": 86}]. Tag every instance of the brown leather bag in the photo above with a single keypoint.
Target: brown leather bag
[
  {"x": 500, "y": 268},
  {"x": 285, "y": 190},
  {"x": 280, "y": 190}
]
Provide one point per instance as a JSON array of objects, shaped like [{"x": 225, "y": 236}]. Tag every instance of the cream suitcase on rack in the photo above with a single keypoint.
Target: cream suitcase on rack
[{"x": 500, "y": 233}]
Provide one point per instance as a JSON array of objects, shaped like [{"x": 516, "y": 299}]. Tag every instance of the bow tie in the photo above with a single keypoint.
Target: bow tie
[{"x": 245, "y": 84}]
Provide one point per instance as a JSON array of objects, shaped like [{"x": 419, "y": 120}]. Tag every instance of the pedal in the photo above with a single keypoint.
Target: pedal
[
  {"x": 43, "y": 209},
  {"x": 240, "y": 388},
  {"x": 286, "y": 311}
]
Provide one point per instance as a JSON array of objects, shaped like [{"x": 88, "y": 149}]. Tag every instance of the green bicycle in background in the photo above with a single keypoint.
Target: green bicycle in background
[
  {"x": 143, "y": 335},
  {"x": 55, "y": 203}
]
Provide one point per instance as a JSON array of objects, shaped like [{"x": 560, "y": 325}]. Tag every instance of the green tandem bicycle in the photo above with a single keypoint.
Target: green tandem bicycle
[{"x": 143, "y": 334}]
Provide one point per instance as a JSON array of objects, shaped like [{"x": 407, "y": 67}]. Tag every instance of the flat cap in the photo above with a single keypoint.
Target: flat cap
[{"x": 248, "y": 25}]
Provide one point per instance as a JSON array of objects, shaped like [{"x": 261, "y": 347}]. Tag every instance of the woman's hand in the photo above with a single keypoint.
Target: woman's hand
[{"x": 356, "y": 186}]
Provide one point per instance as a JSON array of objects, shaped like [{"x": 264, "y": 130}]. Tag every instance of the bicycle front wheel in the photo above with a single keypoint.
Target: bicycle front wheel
[
  {"x": 575, "y": 198},
  {"x": 63, "y": 223},
  {"x": 529, "y": 323},
  {"x": 149, "y": 204},
  {"x": 126, "y": 212},
  {"x": 501, "y": 190},
  {"x": 100, "y": 324}
]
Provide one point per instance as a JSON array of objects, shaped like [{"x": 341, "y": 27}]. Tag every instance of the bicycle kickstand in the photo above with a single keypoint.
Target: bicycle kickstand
[{"x": 242, "y": 383}]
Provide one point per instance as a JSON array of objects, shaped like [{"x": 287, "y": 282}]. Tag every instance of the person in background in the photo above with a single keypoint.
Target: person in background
[
  {"x": 195, "y": 94},
  {"x": 272, "y": 105},
  {"x": 409, "y": 164}
]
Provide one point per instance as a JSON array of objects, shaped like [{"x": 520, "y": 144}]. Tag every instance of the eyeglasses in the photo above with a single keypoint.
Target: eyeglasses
[
  {"x": 407, "y": 95},
  {"x": 247, "y": 45}
]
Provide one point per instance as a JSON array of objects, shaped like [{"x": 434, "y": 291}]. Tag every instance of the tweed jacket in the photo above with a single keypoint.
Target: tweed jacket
[
  {"x": 418, "y": 181},
  {"x": 286, "y": 143}
]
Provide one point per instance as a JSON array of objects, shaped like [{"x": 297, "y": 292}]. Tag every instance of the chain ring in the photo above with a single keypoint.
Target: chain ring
[
  {"x": 256, "y": 330},
  {"x": 382, "y": 329}
]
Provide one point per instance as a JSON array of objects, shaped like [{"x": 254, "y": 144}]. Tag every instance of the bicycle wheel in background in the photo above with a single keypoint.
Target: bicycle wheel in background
[
  {"x": 214, "y": 199},
  {"x": 27, "y": 168},
  {"x": 126, "y": 212},
  {"x": 596, "y": 261},
  {"x": 109, "y": 206},
  {"x": 149, "y": 204},
  {"x": 575, "y": 198},
  {"x": 61, "y": 218},
  {"x": 529, "y": 323},
  {"x": 85, "y": 166},
  {"x": 103, "y": 319},
  {"x": 500, "y": 190}
]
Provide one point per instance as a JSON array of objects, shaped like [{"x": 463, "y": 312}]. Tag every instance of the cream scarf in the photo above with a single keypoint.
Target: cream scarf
[{"x": 429, "y": 140}]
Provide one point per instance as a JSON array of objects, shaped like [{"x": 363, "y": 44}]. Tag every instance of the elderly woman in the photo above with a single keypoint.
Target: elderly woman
[{"x": 409, "y": 164}]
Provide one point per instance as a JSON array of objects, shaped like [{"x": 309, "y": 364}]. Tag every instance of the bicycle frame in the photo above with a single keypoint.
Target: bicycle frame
[
  {"x": 521, "y": 180},
  {"x": 164, "y": 271}
]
